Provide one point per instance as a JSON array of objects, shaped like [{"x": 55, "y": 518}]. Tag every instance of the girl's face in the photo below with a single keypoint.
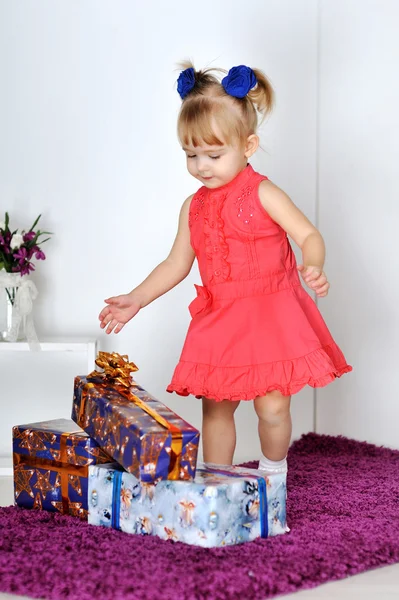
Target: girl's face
[{"x": 215, "y": 166}]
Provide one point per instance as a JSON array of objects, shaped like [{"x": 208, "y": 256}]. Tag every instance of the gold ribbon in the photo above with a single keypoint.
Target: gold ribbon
[
  {"x": 64, "y": 474},
  {"x": 83, "y": 399},
  {"x": 117, "y": 370},
  {"x": 62, "y": 466},
  {"x": 50, "y": 465},
  {"x": 177, "y": 436},
  {"x": 116, "y": 367}
]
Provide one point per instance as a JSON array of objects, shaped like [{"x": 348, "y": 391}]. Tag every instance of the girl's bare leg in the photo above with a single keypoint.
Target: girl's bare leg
[
  {"x": 218, "y": 431},
  {"x": 275, "y": 426}
]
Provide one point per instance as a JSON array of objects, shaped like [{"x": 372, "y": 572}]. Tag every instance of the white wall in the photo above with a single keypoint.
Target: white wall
[
  {"x": 88, "y": 116},
  {"x": 359, "y": 215},
  {"x": 37, "y": 386}
]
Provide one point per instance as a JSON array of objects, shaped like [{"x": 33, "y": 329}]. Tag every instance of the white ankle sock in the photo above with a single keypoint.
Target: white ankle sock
[{"x": 273, "y": 466}]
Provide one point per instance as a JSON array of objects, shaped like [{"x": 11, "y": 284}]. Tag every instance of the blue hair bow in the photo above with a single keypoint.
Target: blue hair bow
[
  {"x": 186, "y": 82},
  {"x": 238, "y": 81}
]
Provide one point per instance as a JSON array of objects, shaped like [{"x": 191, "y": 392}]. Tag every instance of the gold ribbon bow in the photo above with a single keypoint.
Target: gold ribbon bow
[{"x": 116, "y": 367}]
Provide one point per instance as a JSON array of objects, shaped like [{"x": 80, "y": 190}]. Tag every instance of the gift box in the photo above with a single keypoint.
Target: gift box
[
  {"x": 140, "y": 433},
  {"x": 51, "y": 461},
  {"x": 218, "y": 508}
]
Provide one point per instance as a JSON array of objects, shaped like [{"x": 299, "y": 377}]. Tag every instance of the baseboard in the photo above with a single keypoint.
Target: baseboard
[{"x": 6, "y": 469}]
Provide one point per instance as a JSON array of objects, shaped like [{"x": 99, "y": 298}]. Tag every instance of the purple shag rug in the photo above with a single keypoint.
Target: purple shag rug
[{"x": 343, "y": 511}]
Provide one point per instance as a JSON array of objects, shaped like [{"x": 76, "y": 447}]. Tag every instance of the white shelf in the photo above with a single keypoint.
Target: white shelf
[
  {"x": 52, "y": 344},
  {"x": 46, "y": 389},
  {"x": 58, "y": 344}
]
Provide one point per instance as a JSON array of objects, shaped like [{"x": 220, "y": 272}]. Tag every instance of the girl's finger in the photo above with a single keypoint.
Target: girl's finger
[
  {"x": 119, "y": 327},
  {"x": 113, "y": 300},
  {"x": 313, "y": 276},
  {"x": 107, "y": 319},
  {"x": 111, "y": 326},
  {"x": 103, "y": 313},
  {"x": 307, "y": 273},
  {"x": 322, "y": 280},
  {"x": 323, "y": 290}
]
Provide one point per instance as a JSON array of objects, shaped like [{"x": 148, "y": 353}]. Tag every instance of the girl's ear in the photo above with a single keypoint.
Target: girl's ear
[{"x": 251, "y": 146}]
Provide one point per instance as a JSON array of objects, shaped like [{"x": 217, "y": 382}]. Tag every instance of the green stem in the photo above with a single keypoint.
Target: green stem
[{"x": 9, "y": 297}]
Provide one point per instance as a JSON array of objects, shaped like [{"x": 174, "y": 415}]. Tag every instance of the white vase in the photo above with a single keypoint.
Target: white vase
[{"x": 16, "y": 302}]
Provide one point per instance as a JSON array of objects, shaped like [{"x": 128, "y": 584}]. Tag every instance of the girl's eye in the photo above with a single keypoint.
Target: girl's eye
[
  {"x": 190, "y": 155},
  {"x": 215, "y": 157}
]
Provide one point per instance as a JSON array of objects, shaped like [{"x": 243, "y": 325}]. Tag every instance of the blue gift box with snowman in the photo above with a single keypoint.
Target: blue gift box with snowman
[{"x": 219, "y": 508}]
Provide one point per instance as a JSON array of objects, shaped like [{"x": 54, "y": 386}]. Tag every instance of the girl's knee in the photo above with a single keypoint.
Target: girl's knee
[
  {"x": 273, "y": 408},
  {"x": 225, "y": 408}
]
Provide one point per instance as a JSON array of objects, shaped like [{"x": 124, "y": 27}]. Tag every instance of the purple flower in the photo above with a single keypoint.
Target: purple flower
[
  {"x": 30, "y": 253},
  {"x": 21, "y": 255},
  {"x": 29, "y": 236},
  {"x": 5, "y": 242},
  {"x": 27, "y": 268},
  {"x": 40, "y": 255}
]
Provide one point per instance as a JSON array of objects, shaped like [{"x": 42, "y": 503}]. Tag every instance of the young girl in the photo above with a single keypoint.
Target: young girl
[{"x": 255, "y": 332}]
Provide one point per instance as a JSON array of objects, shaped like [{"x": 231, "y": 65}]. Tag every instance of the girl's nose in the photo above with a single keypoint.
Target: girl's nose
[{"x": 202, "y": 166}]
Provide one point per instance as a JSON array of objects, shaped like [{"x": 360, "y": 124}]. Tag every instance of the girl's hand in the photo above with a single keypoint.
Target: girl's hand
[
  {"x": 119, "y": 311},
  {"x": 315, "y": 279}
]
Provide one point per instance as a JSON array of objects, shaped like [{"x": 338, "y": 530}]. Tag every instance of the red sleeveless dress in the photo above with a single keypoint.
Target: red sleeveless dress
[{"x": 254, "y": 328}]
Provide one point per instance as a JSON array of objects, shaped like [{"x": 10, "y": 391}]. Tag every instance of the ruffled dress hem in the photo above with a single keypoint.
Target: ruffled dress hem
[{"x": 317, "y": 369}]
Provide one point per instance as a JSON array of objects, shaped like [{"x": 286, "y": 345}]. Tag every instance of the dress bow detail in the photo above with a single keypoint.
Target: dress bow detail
[{"x": 202, "y": 302}]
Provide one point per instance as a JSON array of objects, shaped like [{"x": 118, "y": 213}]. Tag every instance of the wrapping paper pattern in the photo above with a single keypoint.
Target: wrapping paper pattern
[
  {"x": 51, "y": 460},
  {"x": 218, "y": 508},
  {"x": 131, "y": 436}
]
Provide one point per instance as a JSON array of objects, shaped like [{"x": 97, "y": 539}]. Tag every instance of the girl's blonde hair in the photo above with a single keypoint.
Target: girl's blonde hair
[{"x": 209, "y": 115}]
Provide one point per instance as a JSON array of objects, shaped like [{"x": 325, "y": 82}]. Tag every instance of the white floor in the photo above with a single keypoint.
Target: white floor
[{"x": 380, "y": 584}]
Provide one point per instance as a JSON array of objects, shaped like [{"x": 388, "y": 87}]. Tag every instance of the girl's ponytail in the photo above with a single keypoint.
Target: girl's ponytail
[
  {"x": 194, "y": 83},
  {"x": 262, "y": 96}
]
